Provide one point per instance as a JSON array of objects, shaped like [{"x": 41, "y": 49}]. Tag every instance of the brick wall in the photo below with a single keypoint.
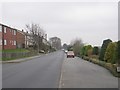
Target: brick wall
[
  {"x": 20, "y": 39},
  {"x": 10, "y": 38}
]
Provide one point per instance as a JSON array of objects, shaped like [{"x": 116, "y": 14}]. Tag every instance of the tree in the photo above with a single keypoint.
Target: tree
[
  {"x": 77, "y": 45},
  {"x": 95, "y": 50},
  {"x": 70, "y": 48},
  {"x": 37, "y": 35},
  {"x": 110, "y": 52},
  {"x": 118, "y": 52},
  {"x": 86, "y": 50},
  {"x": 65, "y": 46},
  {"x": 82, "y": 51},
  {"x": 103, "y": 48},
  {"x": 89, "y": 50},
  {"x": 115, "y": 54}
]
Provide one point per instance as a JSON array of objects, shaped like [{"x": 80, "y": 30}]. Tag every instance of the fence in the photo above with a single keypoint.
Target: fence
[{"x": 10, "y": 55}]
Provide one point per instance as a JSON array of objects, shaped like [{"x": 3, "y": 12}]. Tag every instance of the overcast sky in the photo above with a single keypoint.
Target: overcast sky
[{"x": 93, "y": 22}]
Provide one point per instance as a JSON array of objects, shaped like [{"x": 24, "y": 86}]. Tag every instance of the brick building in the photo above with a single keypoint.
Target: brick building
[
  {"x": 11, "y": 38},
  {"x": 20, "y": 39},
  {"x": 0, "y": 37},
  {"x": 8, "y": 38}
]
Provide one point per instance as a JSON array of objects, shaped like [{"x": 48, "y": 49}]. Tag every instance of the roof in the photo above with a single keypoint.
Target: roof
[{"x": 8, "y": 26}]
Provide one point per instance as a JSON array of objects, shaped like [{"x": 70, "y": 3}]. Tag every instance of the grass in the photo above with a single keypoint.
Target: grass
[
  {"x": 12, "y": 54},
  {"x": 14, "y": 58},
  {"x": 14, "y": 50},
  {"x": 8, "y": 59}
]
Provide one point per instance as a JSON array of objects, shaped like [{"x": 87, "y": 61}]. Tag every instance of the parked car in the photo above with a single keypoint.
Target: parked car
[
  {"x": 70, "y": 54},
  {"x": 41, "y": 51},
  {"x": 66, "y": 51}
]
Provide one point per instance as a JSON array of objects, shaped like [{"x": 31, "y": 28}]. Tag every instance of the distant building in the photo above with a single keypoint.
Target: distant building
[{"x": 55, "y": 42}]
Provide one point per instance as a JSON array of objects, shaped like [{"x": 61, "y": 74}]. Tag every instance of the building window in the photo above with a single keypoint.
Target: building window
[
  {"x": 0, "y": 41},
  {"x": 5, "y": 42},
  {"x": 14, "y": 42},
  {"x": 0, "y": 28},
  {"x": 14, "y": 32},
  {"x": 10, "y": 30},
  {"x": 5, "y": 30}
]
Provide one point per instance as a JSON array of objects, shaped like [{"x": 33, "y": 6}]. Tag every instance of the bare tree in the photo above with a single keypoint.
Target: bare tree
[
  {"x": 76, "y": 45},
  {"x": 36, "y": 33}
]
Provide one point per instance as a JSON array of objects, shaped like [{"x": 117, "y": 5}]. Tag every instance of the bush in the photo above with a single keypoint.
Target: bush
[
  {"x": 109, "y": 66},
  {"x": 94, "y": 56},
  {"x": 86, "y": 58},
  {"x": 95, "y": 51},
  {"x": 103, "y": 48},
  {"x": 111, "y": 53},
  {"x": 95, "y": 61}
]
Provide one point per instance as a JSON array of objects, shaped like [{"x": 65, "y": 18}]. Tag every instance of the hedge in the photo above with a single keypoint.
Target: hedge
[{"x": 111, "y": 67}]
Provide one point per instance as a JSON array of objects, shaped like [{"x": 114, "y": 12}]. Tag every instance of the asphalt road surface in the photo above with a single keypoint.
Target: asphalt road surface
[
  {"x": 45, "y": 72},
  {"x": 42, "y": 72}
]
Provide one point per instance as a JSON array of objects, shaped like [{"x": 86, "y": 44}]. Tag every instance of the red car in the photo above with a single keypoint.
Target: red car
[{"x": 70, "y": 54}]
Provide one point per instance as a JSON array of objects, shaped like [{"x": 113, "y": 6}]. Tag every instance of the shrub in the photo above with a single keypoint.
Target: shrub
[
  {"x": 111, "y": 53},
  {"x": 95, "y": 51},
  {"x": 103, "y": 48}
]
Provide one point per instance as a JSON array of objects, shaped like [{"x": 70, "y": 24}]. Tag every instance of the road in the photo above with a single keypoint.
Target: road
[
  {"x": 43, "y": 72},
  {"x": 55, "y": 70}
]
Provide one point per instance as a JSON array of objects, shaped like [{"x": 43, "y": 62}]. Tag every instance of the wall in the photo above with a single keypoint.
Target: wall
[
  {"x": 10, "y": 37},
  {"x": 20, "y": 40}
]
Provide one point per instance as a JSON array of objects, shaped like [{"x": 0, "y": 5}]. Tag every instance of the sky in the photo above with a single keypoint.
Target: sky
[{"x": 92, "y": 22}]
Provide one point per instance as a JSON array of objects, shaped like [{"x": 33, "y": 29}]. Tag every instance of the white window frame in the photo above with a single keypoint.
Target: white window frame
[
  {"x": 5, "y": 30},
  {"x": 5, "y": 42},
  {"x": 14, "y": 33},
  {"x": 0, "y": 28},
  {"x": 14, "y": 43}
]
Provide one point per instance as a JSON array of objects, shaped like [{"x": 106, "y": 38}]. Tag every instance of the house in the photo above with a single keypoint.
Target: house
[
  {"x": 8, "y": 37},
  {"x": 20, "y": 39},
  {"x": 11, "y": 38},
  {"x": 28, "y": 40},
  {"x": 0, "y": 37}
]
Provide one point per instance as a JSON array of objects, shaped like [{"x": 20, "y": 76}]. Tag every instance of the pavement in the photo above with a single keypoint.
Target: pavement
[{"x": 78, "y": 73}]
